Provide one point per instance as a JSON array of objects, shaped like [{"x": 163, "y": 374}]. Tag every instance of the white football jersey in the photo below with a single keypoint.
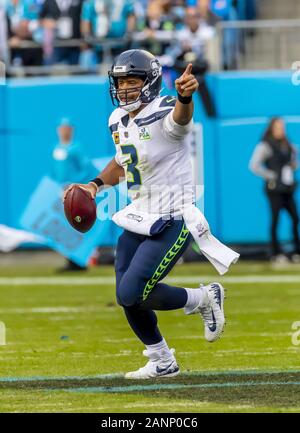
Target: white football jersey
[{"x": 155, "y": 154}]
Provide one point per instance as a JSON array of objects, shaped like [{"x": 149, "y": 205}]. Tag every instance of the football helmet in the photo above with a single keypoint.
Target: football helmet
[{"x": 135, "y": 63}]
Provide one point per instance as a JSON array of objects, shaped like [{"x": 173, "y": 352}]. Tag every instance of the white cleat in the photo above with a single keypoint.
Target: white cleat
[
  {"x": 159, "y": 365},
  {"x": 213, "y": 312}
]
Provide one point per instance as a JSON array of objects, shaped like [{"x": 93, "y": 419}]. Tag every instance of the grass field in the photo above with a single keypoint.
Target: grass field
[{"x": 68, "y": 344}]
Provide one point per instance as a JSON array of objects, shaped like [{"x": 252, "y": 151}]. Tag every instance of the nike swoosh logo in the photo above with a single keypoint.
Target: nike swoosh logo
[
  {"x": 162, "y": 370},
  {"x": 213, "y": 327},
  {"x": 169, "y": 100}
]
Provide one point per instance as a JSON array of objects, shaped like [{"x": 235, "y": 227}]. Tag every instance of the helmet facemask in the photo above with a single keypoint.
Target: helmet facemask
[{"x": 122, "y": 97}]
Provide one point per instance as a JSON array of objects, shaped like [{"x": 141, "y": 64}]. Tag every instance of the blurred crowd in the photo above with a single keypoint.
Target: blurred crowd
[{"x": 77, "y": 32}]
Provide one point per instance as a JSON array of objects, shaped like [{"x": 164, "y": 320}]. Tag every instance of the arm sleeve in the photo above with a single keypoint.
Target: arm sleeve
[
  {"x": 174, "y": 130},
  {"x": 256, "y": 165}
]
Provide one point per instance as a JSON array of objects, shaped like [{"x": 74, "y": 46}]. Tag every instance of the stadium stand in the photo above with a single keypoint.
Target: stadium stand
[{"x": 48, "y": 33}]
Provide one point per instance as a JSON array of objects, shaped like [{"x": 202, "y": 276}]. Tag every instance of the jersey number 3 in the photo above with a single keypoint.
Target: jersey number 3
[{"x": 133, "y": 174}]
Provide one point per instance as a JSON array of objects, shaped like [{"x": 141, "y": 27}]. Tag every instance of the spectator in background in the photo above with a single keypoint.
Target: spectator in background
[
  {"x": 61, "y": 20},
  {"x": 69, "y": 161},
  {"x": 205, "y": 9},
  {"x": 206, "y": 12},
  {"x": 275, "y": 160},
  {"x": 162, "y": 15},
  {"x": 250, "y": 9},
  {"x": 107, "y": 19},
  {"x": 121, "y": 18},
  {"x": 140, "y": 10},
  {"x": 191, "y": 47},
  {"x": 22, "y": 21},
  {"x": 213, "y": 11},
  {"x": 69, "y": 158},
  {"x": 194, "y": 36},
  {"x": 162, "y": 18},
  {"x": 226, "y": 10}
]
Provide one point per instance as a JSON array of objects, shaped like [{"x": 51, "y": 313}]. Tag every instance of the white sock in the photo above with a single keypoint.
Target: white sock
[
  {"x": 196, "y": 297},
  {"x": 161, "y": 348}
]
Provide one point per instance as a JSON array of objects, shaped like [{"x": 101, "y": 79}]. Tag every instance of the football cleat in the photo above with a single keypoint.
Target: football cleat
[
  {"x": 213, "y": 311},
  {"x": 160, "y": 364}
]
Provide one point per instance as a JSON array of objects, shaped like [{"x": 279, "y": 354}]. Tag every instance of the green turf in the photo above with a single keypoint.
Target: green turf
[{"x": 71, "y": 335}]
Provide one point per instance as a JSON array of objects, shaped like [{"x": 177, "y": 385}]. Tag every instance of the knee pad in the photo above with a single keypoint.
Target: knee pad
[{"x": 128, "y": 293}]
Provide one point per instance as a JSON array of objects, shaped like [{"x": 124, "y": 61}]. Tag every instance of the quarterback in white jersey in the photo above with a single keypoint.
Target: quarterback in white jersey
[
  {"x": 155, "y": 154},
  {"x": 152, "y": 152}
]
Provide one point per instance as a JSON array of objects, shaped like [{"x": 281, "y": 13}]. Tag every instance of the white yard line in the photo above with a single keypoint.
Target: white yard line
[
  {"x": 47, "y": 310},
  {"x": 102, "y": 281}
]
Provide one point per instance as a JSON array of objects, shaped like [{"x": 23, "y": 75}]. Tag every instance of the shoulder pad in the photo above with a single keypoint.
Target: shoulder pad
[{"x": 115, "y": 116}]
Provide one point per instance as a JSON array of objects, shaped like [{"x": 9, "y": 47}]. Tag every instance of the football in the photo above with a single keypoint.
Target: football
[{"x": 80, "y": 209}]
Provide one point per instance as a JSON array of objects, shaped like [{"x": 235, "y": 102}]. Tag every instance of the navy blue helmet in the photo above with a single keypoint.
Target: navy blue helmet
[{"x": 135, "y": 63}]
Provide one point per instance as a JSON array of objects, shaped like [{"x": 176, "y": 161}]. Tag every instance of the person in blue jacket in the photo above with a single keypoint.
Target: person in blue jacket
[
  {"x": 68, "y": 156},
  {"x": 69, "y": 161}
]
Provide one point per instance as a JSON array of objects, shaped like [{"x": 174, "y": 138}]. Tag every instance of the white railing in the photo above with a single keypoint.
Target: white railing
[
  {"x": 136, "y": 38},
  {"x": 241, "y": 45},
  {"x": 106, "y": 46}
]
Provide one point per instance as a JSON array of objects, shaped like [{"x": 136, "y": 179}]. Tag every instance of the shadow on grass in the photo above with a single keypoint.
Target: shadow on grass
[{"x": 255, "y": 389}]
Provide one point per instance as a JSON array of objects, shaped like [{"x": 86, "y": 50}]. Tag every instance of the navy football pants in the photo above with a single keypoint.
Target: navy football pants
[{"x": 141, "y": 262}]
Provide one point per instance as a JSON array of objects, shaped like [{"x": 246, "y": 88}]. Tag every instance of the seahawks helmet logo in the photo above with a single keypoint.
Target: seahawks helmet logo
[{"x": 156, "y": 68}]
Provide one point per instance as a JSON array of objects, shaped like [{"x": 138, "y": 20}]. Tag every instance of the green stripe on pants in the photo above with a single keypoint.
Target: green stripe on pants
[{"x": 171, "y": 254}]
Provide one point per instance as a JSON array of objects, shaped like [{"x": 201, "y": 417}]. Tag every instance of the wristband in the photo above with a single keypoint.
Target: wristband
[
  {"x": 97, "y": 181},
  {"x": 184, "y": 99}
]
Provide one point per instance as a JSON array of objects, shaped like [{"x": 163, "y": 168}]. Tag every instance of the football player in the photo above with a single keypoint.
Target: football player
[{"x": 150, "y": 133}]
